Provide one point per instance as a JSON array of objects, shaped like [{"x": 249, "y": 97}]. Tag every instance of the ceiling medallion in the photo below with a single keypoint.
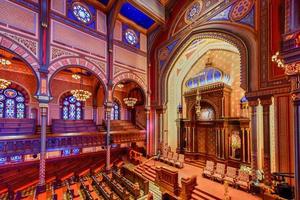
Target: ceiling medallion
[
  {"x": 130, "y": 101},
  {"x": 131, "y": 37},
  {"x": 193, "y": 12},
  {"x": 4, "y": 84},
  {"x": 241, "y": 9}
]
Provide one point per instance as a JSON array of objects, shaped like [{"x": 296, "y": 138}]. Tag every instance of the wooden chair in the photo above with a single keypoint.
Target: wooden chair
[
  {"x": 243, "y": 180},
  {"x": 169, "y": 158},
  {"x": 180, "y": 161},
  {"x": 164, "y": 155},
  {"x": 219, "y": 172},
  {"x": 174, "y": 159},
  {"x": 230, "y": 175},
  {"x": 208, "y": 169}
]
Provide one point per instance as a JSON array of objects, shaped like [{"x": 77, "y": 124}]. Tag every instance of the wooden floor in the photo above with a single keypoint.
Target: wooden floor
[{"x": 207, "y": 185}]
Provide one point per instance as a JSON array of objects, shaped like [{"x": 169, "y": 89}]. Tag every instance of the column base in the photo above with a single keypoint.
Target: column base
[{"x": 40, "y": 189}]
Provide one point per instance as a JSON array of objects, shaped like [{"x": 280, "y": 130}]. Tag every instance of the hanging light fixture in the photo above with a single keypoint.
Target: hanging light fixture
[
  {"x": 80, "y": 94},
  {"x": 120, "y": 85},
  {"x": 130, "y": 101},
  {"x": 4, "y": 62},
  {"x": 4, "y": 84},
  {"x": 76, "y": 76},
  {"x": 198, "y": 104}
]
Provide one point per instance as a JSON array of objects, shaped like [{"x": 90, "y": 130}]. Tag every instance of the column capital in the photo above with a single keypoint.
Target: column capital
[
  {"x": 266, "y": 101},
  {"x": 253, "y": 103}
]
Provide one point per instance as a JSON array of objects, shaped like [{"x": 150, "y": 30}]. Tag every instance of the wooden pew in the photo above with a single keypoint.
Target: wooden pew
[{"x": 134, "y": 189}]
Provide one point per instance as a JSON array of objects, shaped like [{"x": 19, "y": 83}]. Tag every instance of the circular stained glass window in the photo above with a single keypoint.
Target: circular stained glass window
[
  {"x": 131, "y": 37},
  {"x": 72, "y": 99},
  {"x": 82, "y": 13}
]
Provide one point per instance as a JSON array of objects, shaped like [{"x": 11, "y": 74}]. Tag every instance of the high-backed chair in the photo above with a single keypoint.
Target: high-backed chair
[
  {"x": 170, "y": 156},
  {"x": 219, "y": 173},
  {"x": 208, "y": 169},
  {"x": 243, "y": 180},
  {"x": 180, "y": 161},
  {"x": 230, "y": 175},
  {"x": 174, "y": 159},
  {"x": 166, "y": 157}
]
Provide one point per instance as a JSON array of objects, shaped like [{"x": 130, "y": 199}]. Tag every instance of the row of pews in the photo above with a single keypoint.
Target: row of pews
[{"x": 17, "y": 127}]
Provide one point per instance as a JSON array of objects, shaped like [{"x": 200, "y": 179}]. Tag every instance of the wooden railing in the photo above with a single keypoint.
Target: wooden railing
[{"x": 30, "y": 144}]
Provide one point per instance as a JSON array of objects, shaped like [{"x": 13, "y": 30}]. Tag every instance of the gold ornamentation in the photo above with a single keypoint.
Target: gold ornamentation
[
  {"x": 4, "y": 84},
  {"x": 130, "y": 101},
  {"x": 81, "y": 95}
]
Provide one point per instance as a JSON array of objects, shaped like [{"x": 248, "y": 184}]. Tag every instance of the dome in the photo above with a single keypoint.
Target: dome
[{"x": 207, "y": 76}]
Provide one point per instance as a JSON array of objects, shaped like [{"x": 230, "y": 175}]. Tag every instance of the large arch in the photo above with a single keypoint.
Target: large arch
[
  {"x": 204, "y": 34},
  {"x": 245, "y": 47},
  {"x": 58, "y": 65},
  {"x": 25, "y": 55},
  {"x": 132, "y": 77}
]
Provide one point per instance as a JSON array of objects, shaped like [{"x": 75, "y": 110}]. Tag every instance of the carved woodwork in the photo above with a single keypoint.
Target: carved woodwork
[{"x": 167, "y": 179}]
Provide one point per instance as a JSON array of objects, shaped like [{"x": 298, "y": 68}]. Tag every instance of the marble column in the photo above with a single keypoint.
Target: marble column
[
  {"x": 266, "y": 132},
  {"x": 148, "y": 140},
  {"x": 297, "y": 146},
  {"x": 254, "y": 164},
  {"x": 108, "y": 145},
  {"x": 43, "y": 111}
]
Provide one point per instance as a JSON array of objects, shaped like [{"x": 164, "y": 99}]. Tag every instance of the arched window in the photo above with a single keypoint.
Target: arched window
[
  {"x": 72, "y": 109},
  {"x": 12, "y": 104},
  {"x": 115, "y": 112}
]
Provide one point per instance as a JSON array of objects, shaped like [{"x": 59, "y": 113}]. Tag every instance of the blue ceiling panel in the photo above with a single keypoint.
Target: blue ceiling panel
[
  {"x": 104, "y": 2},
  {"x": 134, "y": 14}
]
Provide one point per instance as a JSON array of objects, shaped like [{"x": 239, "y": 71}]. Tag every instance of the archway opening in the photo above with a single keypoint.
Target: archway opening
[
  {"x": 131, "y": 98},
  {"x": 205, "y": 83},
  {"x": 65, "y": 105}
]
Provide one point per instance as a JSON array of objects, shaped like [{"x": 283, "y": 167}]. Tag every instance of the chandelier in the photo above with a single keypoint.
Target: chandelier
[
  {"x": 76, "y": 76},
  {"x": 130, "y": 101},
  {"x": 198, "y": 106},
  {"x": 4, "y": 84},
  {"x": 3, "y": 61},
  {"x": 120, "y": 85},
  {"x": 80, "y": 94}
]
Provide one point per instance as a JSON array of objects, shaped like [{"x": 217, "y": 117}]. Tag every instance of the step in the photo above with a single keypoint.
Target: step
[
  {"x": 203, "y": 194},
  {"x": 196, "y": 197}
]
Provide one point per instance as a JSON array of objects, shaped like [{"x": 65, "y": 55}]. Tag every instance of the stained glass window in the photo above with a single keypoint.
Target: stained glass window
[
  {"x": 12, "y": 104},
  {"x": 131, "y": 37},
  {"x": 115, "y": 112},
  {"x": 82, "y": 13},
  {"x": 72, "y": 109}
]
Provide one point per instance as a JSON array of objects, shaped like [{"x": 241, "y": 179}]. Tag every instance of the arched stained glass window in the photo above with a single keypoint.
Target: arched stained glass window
[
  {"x": 12, "y": 104},
  {"x": 72, "y": 109},
  {"x": 115, "y": 112}
]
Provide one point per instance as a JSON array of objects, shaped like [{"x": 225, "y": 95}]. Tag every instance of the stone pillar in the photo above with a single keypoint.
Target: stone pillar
[
  {"x": 254, "y": 165},
  {"x": 243, "y": 145},
  {"x": 43, "y": 111},
  {"x": 148, "y": 140},
  {"x": 266, "y": 131},
  {"x": 108, "y": 145},
  {"x": 297, "y": 146},
  {"x": 295, "y": 83}
]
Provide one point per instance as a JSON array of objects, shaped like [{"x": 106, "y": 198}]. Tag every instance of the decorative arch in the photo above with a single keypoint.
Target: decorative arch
[
  {"x": 60, "y": 64},
  {"x": 16, "y": 48},
  {"x": 212, "y": 104},
  {"x": 130, "y": 76},
  {"x": 18, "y": 87},
  {"x": 203, "y": 34}
]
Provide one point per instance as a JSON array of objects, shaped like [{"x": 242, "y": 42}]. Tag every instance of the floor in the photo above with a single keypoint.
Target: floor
[{"x": 207, "y": 185}]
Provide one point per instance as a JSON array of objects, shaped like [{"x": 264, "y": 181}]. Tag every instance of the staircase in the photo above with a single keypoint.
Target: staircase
[
  {"x": 199, "y": 194},
  {"x": 147, "y": 171},
  {"x": 196, "y": 163}
]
